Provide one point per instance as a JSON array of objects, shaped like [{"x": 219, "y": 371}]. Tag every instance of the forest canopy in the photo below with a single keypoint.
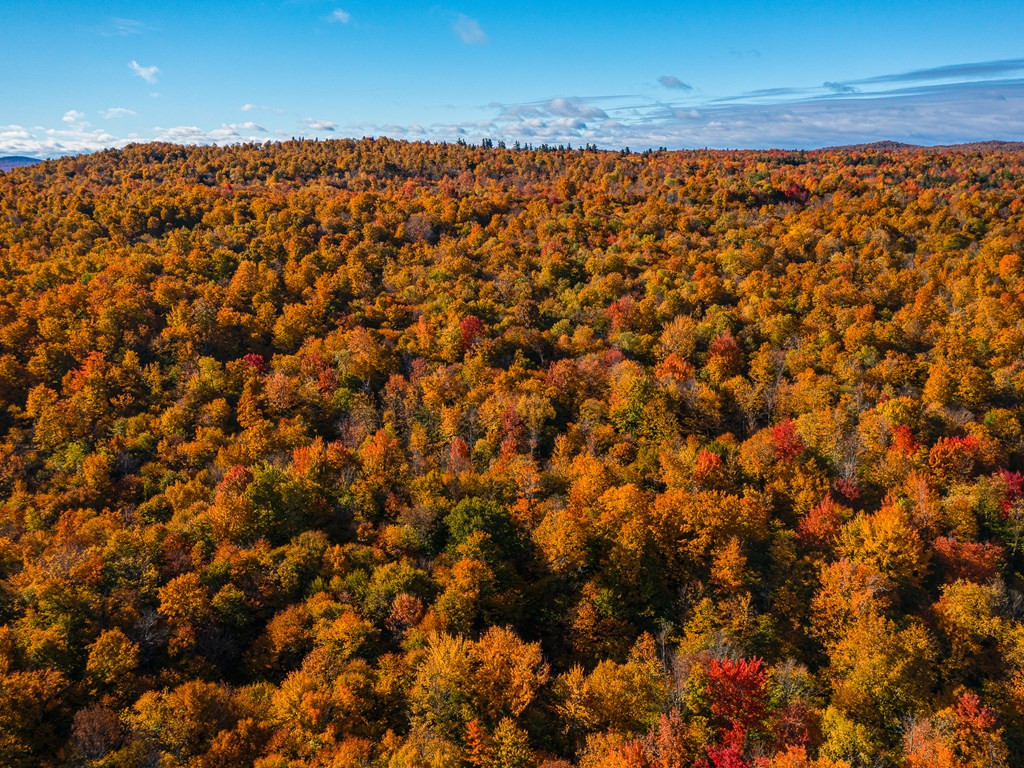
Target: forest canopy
[{"x": 394, "y": 455}]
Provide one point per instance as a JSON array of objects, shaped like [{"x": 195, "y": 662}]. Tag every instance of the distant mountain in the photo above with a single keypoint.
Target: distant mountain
[{"x": 16, "y": 161}]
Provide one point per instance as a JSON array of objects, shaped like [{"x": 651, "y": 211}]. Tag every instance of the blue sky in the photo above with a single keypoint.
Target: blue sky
[{"x": 75, "y": 77}]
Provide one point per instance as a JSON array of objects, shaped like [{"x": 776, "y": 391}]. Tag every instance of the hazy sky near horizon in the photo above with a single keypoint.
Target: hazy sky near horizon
[{"x": 76, "y": 77}]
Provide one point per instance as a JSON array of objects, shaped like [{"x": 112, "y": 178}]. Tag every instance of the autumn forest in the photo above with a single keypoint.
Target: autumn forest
[{"x": 373, "y": 454}]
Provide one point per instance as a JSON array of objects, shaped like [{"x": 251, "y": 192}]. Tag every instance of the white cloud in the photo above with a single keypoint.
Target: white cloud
[
  {"x": 574, "y": 108},
  {"x": 340, "y": 16},
  {"x": 469, "y": 30},
  {"x": 51, "y": 142},
  {"x": 79, "y": 138},
  {"x": 115, "y": 112},
  {"x": 228, "y": 133},
  {"x": 146, "y": 73},
  {"x": 319, "y": 125},
  {"x": 248, "y": 107},
  {"x": 73, "y": 116}
]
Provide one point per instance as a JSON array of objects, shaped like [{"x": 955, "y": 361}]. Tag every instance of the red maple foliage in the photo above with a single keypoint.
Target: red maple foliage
[
  {"x": 786, "y": 441},
  {"x": 972, "y": 560},
  {"x": 820, "y": 526},
  {"x": 471, "y": 328},
  {"x": 738, "y": 696}
]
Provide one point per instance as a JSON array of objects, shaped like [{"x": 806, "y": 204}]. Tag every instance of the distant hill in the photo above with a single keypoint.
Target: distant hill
[
  {"x": 16, "y": 161},
  {"x": 899, "y": 146}
]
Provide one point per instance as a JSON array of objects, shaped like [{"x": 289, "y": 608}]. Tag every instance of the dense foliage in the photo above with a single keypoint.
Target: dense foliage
[{"x": 381, "y": 454}]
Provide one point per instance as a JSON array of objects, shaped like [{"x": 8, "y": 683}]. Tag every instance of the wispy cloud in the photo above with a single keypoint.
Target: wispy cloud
[
  {"x": 766, "y": 94},
  {"x": 340, "y": 16},
  {"x": 969, "y": 71},
  {"x": 122, "y": 27},
  {"x": 909, "y": 107},
  {"x": 469, "y": 30},
  {"x": 146, "y": 73},
  {"x": 570, "y": 106},
  {"x": 977, "y": 71},
  {"x": 115, "y": 112},
  {"x": 789, "y": 118},
  {"x": 673, "y": 83},
  {"x": 250, "y": 107}
]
